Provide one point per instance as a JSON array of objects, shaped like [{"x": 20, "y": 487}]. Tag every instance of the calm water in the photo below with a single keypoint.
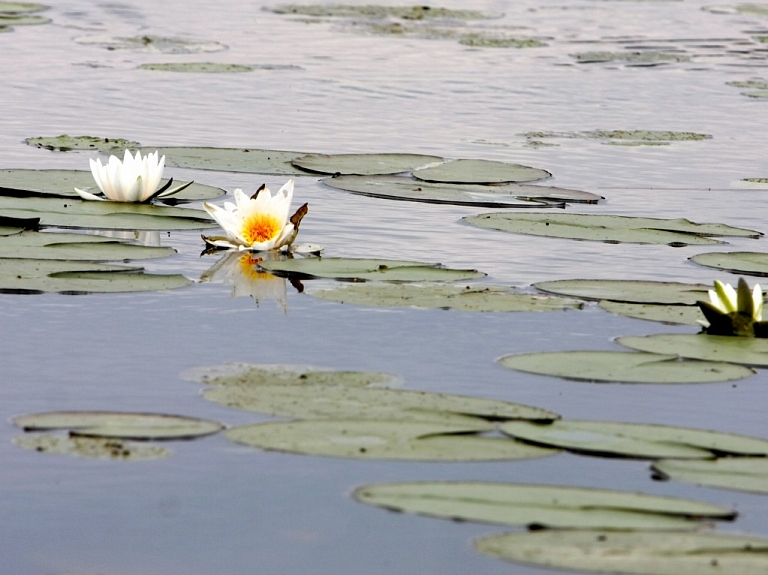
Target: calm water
[{"x": 218, "y": 508}]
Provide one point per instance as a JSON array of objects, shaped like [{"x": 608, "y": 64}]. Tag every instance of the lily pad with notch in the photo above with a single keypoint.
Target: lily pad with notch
[
  {"x": 363, "y": 164},
  {"x": 628, "y": 291},
  {"x": 609, "y": 228},
  {"x": 669, "y": 314},
  {"x": 480, "y": 172},
  {"x": 746, "y": 263},
  {"x": 79, "y": 247},
  {"x": 632, "y": 553},
  {"x": 737, "y": 473},
  {"x": 542, "y": 506},
  {"x": 747, "y": 351}
]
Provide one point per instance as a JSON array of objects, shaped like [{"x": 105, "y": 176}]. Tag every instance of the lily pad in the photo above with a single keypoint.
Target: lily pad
[
  {"x": 669, "y": 314},
  {"x": 38, "y": 276},
  {"x": 746, "y": 263},
  {"x": 624, "y": 137},
  {"x": 22, "y": 19},
  {"x": 118, "y": 424},
  {"x": 80, "y": 247},
  {"x": 623, "y": 367},
  {"x": 738, "y": 473},
  {"x": 340, "y": 401},
  {"x": 608, "y": 228},
  {"x": 421, "y": 12},
  {"x": 541, "y": 506},
  {"x": 632, "y": 553},
  {"x": 496, "y": 196},
  {"x": 247, "y": 160},
  {"x": 91, "y": 447},
  {"x": 745, "y": 8},
  {"x": 484, "y": 40},
  {"x": 363, "y": 164},
  {"x": 381, "y": 439},
  {"x": 152, "y": 44},
  {"x": 635, "y": 440},
  {"x": 480, "y": 172},
  {"x": 358, "y": 269},
  {"x": 628, "y": 291},
  {"x": 21, "y": 7},
  {"x": 65, "y": 143},
  {"x": 741, "y": 350},
  {"x": 461, "y": 298},
  {"x": 196, "y": 67},
  {"x": 633, "y": 58}
]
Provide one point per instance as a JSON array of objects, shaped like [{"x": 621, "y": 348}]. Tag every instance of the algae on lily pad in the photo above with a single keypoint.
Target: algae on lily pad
[
  {"x": 624, "y": 367},
  {"x": 462, "y": 298},
  {"x": 632, "y": 553},
  {"x": 669, "y": 314},
  {"x": 746, "y": 263},
  {"x": 196, "y": 67},
  {"x": 91, "y": 447},
  {"x": 81, "y": 247},
  {"x": 737, "y": 473},
  {"x": 608, "y": 228},
  {"x": 628, "y": 291},
  {"x": 748, "y": 351},
  {"x": 382, "y": 439},
  {"x": 480, "y": 172},
  {"x": 124, "y": 425},
  {"x": 359, "y": 269},
  {"x": 542, "y": 506},
  {"x": 247, "y": 160},
  {"x": 65, "y": 143},
  {"x": 363, "y": 164},
  {"x": 635, "y": 439}
]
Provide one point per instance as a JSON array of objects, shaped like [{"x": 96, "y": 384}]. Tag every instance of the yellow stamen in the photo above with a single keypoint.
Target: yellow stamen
[{"x": 260, "y": 227}]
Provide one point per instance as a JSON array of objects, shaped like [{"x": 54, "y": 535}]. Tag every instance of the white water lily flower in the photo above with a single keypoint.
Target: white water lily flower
[
  {"x": 725, "y": 298},
  {"x": 257, "y": 223},
  {"x": 134, "y": 179}
]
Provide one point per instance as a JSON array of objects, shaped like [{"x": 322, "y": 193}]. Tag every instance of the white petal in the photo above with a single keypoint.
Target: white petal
[
  {"x": 88, "y": 196},
  {"x": 757, "y": 300}
]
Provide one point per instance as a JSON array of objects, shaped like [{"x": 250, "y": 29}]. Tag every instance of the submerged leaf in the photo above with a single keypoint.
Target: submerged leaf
[
  {"x": 91, "y": 447},
  {"x": 65, "y": 142},
  {"x": 196, "y": 67}
]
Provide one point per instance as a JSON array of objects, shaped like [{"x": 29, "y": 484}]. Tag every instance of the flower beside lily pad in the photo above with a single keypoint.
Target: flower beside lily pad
[
  {"x": 737, "y": 311},
  {"x": 258, "y": 223},
  {"x": 134, "y": 179}
]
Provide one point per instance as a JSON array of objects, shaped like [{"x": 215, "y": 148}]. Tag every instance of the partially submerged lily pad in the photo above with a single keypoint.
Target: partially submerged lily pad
[
  {"x": 479, "y": 172},
  {"x": 669, "y": 314},
  {"x": 21, "y": 7},
  {"x": 247, "y": 160},
  {"x": 381, "y": 439},
  {"x": 541, "y": 506},
  {"x": 632, "y": 553},
  {"x": 623, "y": 367},
  {"x": 746, "y": 263},
  {"x": 462, "y": 298},
  {"x": 608, "y": 228},
  {"x": 91, "y": 447},
  {"x": 156, "y": 44},
  {"x": 81, "y": 247},
  {"x": 635, "y": 439},
  {"x": 738, "y": 473},
  {"x": 358, "y": 269},
  {"x": 741, "y": 350},
  {"x": 625, "y": 137},
  {"x": 363, "y": 164},
  {"x": 22, "y": 19},
  {"x": 420, "y": 12},
  {"x": 628, "y": 291},
  {"x": 750, "y": 8},
  {"x": 124, "y": 425},
  {"x": 65, "y": 143},
  {"x": 197, "y": 67},
  {"x": 631, "y": 58},
  {"x": 485, "y": 40}
]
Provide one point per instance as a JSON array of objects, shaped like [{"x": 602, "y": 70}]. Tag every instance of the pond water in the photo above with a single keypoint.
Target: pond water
[{"x": 215, "y": 507}]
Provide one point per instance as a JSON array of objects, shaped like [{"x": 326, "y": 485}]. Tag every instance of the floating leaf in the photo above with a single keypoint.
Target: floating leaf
[
  {"x": 541, "y": 506},
  {"x": 21, "y": 7},
  {"x": 61, "y": 183},
  {"x": 739, "y": 473},
  {"x": 425, "y": 441},
  {"x": 628, "y": 291},
  {"x": 463, "y": 298},
  {"x": 670, "y": 314},
  {"x": 91, "y": 447},
  {"x": 634, "y": 58},
  {"x": 153, "y": 44},
  {"x": 247, "y": 160},
  {"x": 339, "y": 401},
  {"x": 480, "y": 172},
  {"x": 65, "y": 143},
  {"x": 378, "y": 11},
  {"x": 366, "y": 269},
  {"x": 742, "y": 350},
  {"x": 197, "y": 67},
  {"x": 623, "y": 367},
  {"x": 746, "y": 8},
  {"x": 633, "y": 137},
  {"x": 118, "y": 424},
  {"x": 363, "y": 164},
  {"x": 484, "y": 40},
  {"x": 22, "y": 19},
  {"x": 635, "y": 440},
  {"x": 498, "y": 196},
  {"x": 608, "y": 228},
  {"x": 747, "y": 263},
  {"x": 38, "y": 276},
  {"x": 632, "y": 553},
  {"x": 62, "y": 246}
]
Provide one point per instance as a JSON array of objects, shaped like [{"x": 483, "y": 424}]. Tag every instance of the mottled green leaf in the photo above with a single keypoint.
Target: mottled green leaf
[
  {"x": 196, "y": 67},
  {"x": 65, "y": 143},
  {"x": 91, "y": 447}
]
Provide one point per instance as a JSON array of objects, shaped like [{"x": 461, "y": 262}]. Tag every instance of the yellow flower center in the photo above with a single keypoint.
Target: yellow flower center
[{"x": 260, "y": 227}]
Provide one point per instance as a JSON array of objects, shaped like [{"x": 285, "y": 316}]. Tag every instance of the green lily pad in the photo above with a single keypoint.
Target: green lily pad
[
  {"x": 742, "y": 350},
  {"x": 669, "y": 314},
  {"x": 38, "y": 276},
  {"x": 21, "y": 7},
  {"x": 632, "y": 553},
  {"x": 628, "y": 291},
  {"x": 462, "y": 298},
  {"x": 345, "y": 402},
  {"x": 541, "y": 506},
  {"x": 80, "y": 247},
  {"x": 738, "y": 473},
  {"x": 61, "y": 183},
  {"x": 247, "y": 160},
  {"x": 480, "y": 172},
  {"x": 359, "y": 269},
  {"x": 377, "y": 11},
  {"x": 152, "y": 44},
  {"x": 65, "y": 143},
  {"x": 196, "y": 67},
  {"x": 363, "y": 164},
  {"x": 633, "y": 58},
  {"x": 77, "y": 213},
  {"x": 746, "y": 263},
  {"x": 118, "y": 424},
  {"x": 484, "y": 40},
  {"x": 752, "y": 84},
  {"x": 746, "y": 8},
  {"x": 625, "y": 137},
  {"x": 608, "y": 228},
  {"x": 495, "y": 196},
  {"x": 756, "y": 93},
  {"x": 22, "y": 19},
  {"x": 91, "y": 447},
  {"x": 381, "y": 439},
  {"x": 635, "y": 440},
  {"x": 623, "y": 367}
]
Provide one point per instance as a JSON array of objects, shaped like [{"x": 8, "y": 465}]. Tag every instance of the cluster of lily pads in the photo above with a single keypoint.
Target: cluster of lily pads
[{"x": 21, "y": 14}]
